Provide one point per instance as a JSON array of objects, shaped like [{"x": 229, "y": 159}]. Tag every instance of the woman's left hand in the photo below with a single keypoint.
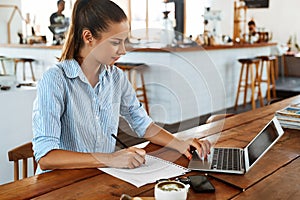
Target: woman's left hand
[{"x": 201, "y": 145}]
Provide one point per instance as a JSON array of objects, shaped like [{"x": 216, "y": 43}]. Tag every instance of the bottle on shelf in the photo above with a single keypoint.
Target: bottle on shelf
[{"x": 167, "y": 35}]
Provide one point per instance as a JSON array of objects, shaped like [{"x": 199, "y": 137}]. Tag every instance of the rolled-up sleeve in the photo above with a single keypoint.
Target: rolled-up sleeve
[{"x": 47, "y": 110}]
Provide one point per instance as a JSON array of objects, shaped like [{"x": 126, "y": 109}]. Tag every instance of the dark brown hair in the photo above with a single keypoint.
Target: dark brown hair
[
  {"x": 251, "y": 22},
  {"x": 94, "y": 15}
]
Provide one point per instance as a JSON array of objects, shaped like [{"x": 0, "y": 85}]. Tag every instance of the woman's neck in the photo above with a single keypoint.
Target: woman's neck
[{"x": 91, "y": 71}]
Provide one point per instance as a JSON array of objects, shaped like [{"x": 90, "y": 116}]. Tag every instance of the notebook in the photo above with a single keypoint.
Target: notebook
[
  {"x": 238, "y": 160},
  {"x": 153, "y": 170}
]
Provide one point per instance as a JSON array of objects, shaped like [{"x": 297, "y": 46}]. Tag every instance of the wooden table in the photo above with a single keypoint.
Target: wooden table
[{"x": 275, "y": 176}]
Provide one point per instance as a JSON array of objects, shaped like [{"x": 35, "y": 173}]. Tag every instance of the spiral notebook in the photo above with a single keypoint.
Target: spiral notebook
[{"x": 153, "y": 170}]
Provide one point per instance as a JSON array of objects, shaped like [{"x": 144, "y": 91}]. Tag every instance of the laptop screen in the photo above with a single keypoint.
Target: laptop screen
[{"x": 262, "y": 142}]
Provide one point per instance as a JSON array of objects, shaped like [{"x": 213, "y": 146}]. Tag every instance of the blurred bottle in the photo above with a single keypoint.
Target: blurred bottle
[{"x": 167, "y": 33}]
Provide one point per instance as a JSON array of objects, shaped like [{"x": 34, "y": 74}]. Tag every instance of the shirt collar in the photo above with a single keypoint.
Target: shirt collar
[{"x": 72, "y": 69}]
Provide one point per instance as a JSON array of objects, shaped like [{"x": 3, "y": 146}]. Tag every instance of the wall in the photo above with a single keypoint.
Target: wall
[
  {"x": 15, "y": 122},
  {"x": 16, "y": 24},
  {"x": 279, "y": 18}
]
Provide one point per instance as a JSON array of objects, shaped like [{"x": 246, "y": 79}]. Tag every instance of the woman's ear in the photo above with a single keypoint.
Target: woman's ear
[{"x": 87, "y": 36}]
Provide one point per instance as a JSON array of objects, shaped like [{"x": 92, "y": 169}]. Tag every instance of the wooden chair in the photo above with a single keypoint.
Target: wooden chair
[{"x": 23, "y": 152}]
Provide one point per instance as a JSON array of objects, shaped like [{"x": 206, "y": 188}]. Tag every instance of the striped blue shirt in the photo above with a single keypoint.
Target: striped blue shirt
[{"x": 70, "y": 114}]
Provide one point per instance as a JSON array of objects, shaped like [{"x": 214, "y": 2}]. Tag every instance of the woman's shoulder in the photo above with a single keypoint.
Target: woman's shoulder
[
  {"x": 62, "y": 68},
  {"x": 53, "y": 75},
  {"x": 53, "y": 71}
]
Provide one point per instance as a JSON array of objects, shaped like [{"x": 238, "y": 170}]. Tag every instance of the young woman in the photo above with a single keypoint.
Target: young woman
[{"x": 80, "y": 99}]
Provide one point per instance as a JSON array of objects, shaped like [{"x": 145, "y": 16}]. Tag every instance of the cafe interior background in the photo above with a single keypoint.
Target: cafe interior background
[{"x": 279, "y": 20}]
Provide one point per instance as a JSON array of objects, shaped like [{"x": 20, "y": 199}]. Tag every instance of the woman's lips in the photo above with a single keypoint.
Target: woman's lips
[{"x": 116, "y": 58}]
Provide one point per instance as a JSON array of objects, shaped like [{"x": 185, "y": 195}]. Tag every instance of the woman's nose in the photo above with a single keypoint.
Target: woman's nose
[{"x": 122, "y": 49}]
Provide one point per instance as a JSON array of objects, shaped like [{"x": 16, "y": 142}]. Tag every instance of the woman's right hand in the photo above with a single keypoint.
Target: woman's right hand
[{"x": 131, "y": 157}]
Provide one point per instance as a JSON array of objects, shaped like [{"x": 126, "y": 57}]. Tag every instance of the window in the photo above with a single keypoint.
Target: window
[
  {"x": 145, "y": 15},
  {"x": 146, "y": 18}
]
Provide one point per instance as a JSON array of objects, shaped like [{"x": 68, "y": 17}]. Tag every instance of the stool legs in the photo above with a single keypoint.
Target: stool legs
[
  {"x": 252, "y": 88},
  {"x": 15, "y": 66},
  {"x": 239, "y": 88},
  {"x": 24, "y": 77},
  {"x": 274, "y": 73},
  {"x": 246, "y": 84},
  {"x": 132, "y": 73},
  {"x": 255, "y": 80},
  {"x": 270, "y": 77},
  {"x": 24, "y": 62},
  {"x": 32, "y": 74},
  {"x": 3, "y": 67},
  {"x": 143, "y": 95},
  {"x": 257, "y": 83}
]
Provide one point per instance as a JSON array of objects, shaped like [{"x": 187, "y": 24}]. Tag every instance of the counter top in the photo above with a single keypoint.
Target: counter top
[
  {"x": 150, "y": 48},
  {"x": 39, "y": 46},
  {"x": 185, "y": 48}
]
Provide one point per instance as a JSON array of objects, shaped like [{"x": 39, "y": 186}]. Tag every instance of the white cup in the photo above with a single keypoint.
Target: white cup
[{"x": 170, "y": 190}]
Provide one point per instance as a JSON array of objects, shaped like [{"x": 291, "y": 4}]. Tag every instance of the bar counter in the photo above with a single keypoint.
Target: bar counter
[
  {"x": 182, "y": 82},
  {"x": 183, "y": 48},
  {"x": 35, "y": 46},
  {"x": 146, "y": 49},
  {"x": 192, "y": 81}
]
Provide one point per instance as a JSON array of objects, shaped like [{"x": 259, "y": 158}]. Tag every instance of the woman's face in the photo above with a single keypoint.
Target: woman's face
[{"x": 111, "y": 46}]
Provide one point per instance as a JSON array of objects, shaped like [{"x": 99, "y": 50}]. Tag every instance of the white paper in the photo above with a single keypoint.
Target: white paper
[{"x": 154, "y": 169}]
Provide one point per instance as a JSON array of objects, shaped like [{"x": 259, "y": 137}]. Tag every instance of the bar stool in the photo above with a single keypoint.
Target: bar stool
[
  {"x": 2, "y": 59},
  {"x": 24, "y": 61},
  {"x": 132, "y": 70},
  {"x": 270, "y": 62},
  {"x": 247, "y": 69}
]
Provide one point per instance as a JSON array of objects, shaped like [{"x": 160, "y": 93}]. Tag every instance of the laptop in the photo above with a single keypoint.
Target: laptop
[{"x": 238, "y": 160}]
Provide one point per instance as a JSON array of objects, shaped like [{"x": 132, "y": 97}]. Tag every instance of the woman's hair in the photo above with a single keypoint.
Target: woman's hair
[
  {"x": 94, "y": 15},
  {"x": 251, "y": 22}
]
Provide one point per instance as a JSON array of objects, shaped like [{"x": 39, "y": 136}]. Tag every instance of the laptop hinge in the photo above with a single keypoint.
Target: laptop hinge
[{"x": 243, "y": 160}]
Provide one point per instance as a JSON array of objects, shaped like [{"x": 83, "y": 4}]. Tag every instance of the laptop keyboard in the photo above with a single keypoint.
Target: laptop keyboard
[{"x": 226, "y": 159}]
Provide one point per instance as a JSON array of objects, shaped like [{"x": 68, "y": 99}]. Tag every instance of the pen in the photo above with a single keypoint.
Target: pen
[
  {"x": 122, "y": 143},
  {"x": 192, "y": 149}
]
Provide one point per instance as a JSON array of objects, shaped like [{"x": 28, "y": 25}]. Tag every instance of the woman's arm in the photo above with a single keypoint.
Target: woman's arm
[
  {"x": 61, "y": 159},
  {"x": 160, "y": 136}
]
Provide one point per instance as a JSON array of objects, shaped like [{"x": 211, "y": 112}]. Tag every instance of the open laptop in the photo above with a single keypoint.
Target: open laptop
[{"x": 237, "y": 160}]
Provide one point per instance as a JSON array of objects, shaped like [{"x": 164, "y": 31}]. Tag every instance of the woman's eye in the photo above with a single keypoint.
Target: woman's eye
[{"x": 115, "y": 43}]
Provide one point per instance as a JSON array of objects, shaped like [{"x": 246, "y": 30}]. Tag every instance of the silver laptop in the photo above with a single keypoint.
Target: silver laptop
[{"x": 237, "y": 160}]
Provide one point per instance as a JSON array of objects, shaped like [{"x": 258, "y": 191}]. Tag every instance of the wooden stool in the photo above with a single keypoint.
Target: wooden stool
[
  {"x": 270, "y": 62},
  {"x": 24, "y": 61},
  {"x": 2, "y": 58},
  {"x": 132, "y": 69},
  {"x": 249, "y": 64}
]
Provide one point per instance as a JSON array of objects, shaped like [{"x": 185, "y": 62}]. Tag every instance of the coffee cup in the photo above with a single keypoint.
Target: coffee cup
[{"x": 170, "y": 190}]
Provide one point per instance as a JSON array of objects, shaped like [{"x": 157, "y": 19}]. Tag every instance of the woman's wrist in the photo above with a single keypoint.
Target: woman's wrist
[{"x": 100, "y": 159}]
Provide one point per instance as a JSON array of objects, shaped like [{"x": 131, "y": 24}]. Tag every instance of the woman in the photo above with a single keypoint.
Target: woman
[{"x": 79, "y": 101}]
